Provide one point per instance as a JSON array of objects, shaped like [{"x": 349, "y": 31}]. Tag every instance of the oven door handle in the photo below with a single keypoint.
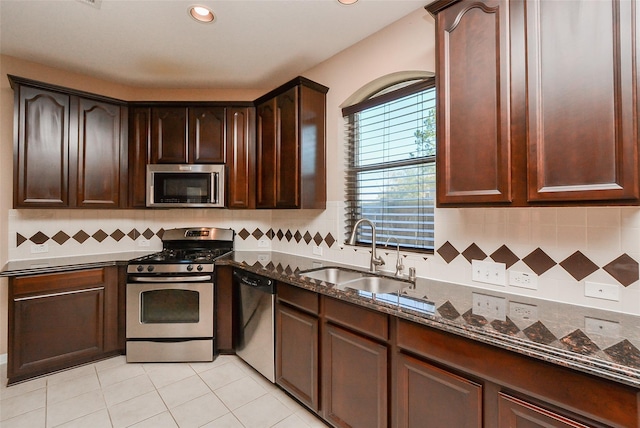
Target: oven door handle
[{"x": 165, "y": 279}]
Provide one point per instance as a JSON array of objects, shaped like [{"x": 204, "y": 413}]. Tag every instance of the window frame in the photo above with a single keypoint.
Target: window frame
[{"x": 351, "y": 150}]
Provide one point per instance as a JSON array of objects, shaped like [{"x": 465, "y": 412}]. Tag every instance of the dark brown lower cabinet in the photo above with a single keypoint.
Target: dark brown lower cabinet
[
  {"x": 515, "y": 413},
  {"x": 546, "y": 395},
  {"x": 354, "y": 379},
  {"x": 297, "y": 354},
  {"x": 377, "y": 370},
  {"x": 60, "y": 320},
  {"x": 429, "y": 396}
]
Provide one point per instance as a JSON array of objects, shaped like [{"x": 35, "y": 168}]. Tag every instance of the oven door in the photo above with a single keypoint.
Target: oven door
[{"x": 171, "y": 310}]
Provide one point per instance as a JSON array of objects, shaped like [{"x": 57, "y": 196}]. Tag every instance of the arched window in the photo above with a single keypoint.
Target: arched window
[{"x": 391, "y": 170}]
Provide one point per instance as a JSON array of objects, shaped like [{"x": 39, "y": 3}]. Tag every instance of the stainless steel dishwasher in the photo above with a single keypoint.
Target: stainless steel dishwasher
[{"x": 255, "y": 311}]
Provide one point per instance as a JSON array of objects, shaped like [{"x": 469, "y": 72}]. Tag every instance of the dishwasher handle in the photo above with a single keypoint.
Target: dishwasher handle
[{"x": 255, "y": 281}]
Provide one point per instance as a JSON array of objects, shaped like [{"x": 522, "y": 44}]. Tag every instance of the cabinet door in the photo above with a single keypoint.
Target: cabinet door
[
  {"x": 169, "y": 135},
  {"x": 474, "y": 131},
  {"x": 354, "y": 379},
  {"x": 206, "y": 135},
  {"x": 423, "y": 391},
  {"x": 515, "y": 413},
  {"x": 241, "y": 159},
  {"x": 297, "y": 354},
  {"x": 60, "y": 320},
  {"x": 287, "y": 150},
  {"x": 139, "y": 146},
  {"x": 100, "y": 149},
  {"x": 41, "y": 149},
  {"x": 266, "y": 154},
  {"x": 582, "y": 140}
]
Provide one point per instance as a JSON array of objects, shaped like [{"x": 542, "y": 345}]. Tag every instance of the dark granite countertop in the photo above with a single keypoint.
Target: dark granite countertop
[
  {"x": 598, "y": 342},
  {"x": 64, "y": 264}
]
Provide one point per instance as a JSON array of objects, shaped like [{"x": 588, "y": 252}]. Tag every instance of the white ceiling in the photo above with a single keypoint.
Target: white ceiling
[{"x": 155, "y": 43}]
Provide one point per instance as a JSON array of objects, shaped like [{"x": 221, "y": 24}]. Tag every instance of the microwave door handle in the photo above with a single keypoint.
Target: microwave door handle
[{"x": 214, "y": 191}]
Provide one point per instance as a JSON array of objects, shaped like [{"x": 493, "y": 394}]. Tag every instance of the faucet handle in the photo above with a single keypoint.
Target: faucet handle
[
  {"x": 399, "y": 267},
  {"x": 378, "y": 261}
]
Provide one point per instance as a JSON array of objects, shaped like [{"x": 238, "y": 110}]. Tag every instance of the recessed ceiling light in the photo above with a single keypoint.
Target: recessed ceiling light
[
  {"x": 201, "y": 13},
  {"x": 347, "y": 1}
]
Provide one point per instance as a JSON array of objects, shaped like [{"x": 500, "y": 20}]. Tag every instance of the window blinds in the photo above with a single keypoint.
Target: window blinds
[{"x": 390, "y": 171}]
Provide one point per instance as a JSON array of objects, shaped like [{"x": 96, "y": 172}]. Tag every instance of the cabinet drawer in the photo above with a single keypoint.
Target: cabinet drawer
[
  {"x": 298, "y": 297},
  {"x": 57, "y": 281},
  {"x": 369, "y": 322}
]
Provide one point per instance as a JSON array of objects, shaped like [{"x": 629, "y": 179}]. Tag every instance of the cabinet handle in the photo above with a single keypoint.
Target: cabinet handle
[{"x": 62, "y": 293}]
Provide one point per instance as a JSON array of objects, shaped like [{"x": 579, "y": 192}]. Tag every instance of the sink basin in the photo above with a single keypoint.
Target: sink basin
[
  {"x": 344, "y": 278},
  {"x": 375, "y": 284},
  {"x": 333, "y": 275}
]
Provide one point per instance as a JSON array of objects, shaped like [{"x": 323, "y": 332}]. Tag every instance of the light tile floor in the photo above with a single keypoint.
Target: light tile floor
[{"x": 226, "y": 393}]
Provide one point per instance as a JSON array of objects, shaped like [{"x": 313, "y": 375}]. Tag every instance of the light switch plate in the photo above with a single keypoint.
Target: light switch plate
[
  {"x": 602, "y": 291},
  {"x": 488, "y": 272},
  {"x": 523, "y": 279}
]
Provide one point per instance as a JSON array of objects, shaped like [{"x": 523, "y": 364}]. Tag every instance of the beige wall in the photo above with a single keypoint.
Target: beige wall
[{"x": 408, "y": 44}]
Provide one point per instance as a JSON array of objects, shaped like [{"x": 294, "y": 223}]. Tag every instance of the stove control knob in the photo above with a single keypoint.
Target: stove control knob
[
  {"x": 150, "y": 268},
  {"x": 140, "y": 268},
  {"x": 190, "y": 268},
  {"x": 200, "y": 268}
]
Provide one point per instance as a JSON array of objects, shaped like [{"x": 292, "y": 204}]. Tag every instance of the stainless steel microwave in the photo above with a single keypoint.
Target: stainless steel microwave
[{"x": 185, "y": 186}]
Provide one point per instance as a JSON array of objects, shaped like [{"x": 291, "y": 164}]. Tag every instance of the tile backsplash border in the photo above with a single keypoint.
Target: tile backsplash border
[{"x": 563, "y": 247}]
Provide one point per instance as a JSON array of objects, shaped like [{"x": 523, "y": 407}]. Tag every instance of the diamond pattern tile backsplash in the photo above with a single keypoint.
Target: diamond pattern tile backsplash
[
  {"x": 623, "y": 269},
  {"x": 558, "y": 264}
]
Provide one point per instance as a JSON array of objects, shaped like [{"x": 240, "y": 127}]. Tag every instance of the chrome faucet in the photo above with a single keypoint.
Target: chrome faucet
[
  {"x": 375, "y": 260},
  {"x": 399, "y": 265}
]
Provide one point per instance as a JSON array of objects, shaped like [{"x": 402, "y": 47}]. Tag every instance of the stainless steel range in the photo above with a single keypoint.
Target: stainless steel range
[{"x": 170, "y": 297}]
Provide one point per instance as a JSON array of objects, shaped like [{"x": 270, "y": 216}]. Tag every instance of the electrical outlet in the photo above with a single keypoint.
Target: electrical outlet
[
  {"x": 317, "y": 250},
  {"x": 601, "y": 327},
  {"x": 263, "y": 243},
  {"x": 602, "y": 291},
  {"x": 489, "y": 306},
  {"x": 263, "y": 258},
  {"x": 143, "y": 243},
  {"x": 39, "y": 248},
  {"x": 523, "y": 311},
  {"x": 523, "y": 279},
  {"x": 488, "y": 272}
]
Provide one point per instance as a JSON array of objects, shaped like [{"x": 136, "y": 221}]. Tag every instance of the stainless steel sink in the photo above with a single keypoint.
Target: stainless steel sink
[
  {"x": 344, "y": 278},
  {"x": 375, "y": 284},
  {"x": 333, "y": 275}
]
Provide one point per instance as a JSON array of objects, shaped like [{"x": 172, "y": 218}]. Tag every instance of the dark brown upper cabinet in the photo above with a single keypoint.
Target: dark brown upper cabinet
[
  {"x": 536, "y": 102},
  {"x": 184, "y": 135},
  {"x": 102, "y": 166},
  {"x": 241, "y": 157},
  {"x": 69, "y": 148},
  {"x": 139, "y": 154},
  {"x": 290, "y": 142},
  {"x": 41, "y": 148}
]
